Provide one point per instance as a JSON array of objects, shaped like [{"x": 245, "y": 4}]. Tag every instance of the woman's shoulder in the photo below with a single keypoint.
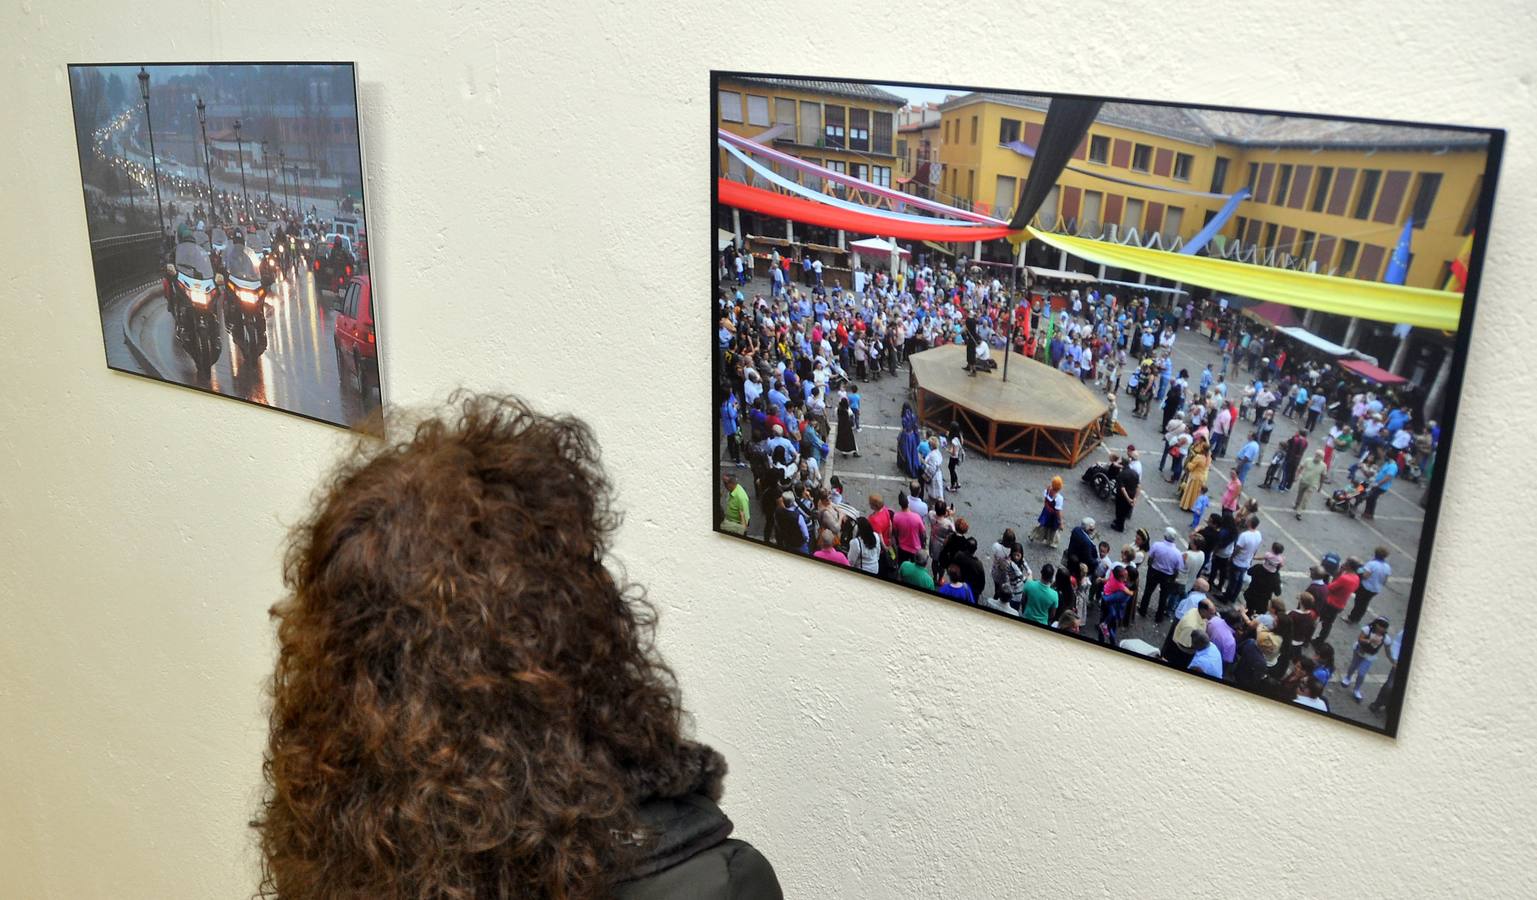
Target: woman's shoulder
[{"x": 693, "y": 857}]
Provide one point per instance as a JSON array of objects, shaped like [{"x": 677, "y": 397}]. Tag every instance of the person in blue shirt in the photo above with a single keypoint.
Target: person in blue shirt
[
  {"x": 1247, "y": 455},
  {"x": 1382, "y": 482},
  {"x": 1374, "y": 578},
  {"x": 1198, "y": 509},
  {"x": 854, "y": 405},
  {"x": 777, "y": 397},
  {"x": 1204, "y": 656},
  {"x": 730, "y": 412},
  {"x": 1398, "y": 418},
  {"x": 956, "y": 587},
  {"x": 1206, "y": 378}
]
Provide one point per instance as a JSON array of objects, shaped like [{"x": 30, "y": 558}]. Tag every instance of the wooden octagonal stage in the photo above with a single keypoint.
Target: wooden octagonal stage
[{"x": 1038, "y": 415}]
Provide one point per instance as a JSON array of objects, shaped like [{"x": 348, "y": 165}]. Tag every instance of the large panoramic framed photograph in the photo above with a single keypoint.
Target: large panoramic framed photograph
[
  {"x": 1176, "y": 381},
  {"x": 224, "y": 206}
]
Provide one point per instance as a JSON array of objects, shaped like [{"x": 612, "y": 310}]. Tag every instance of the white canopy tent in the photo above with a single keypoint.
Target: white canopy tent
[
  {"x": 876, "y": 247},
  {"x": 1061, "y": 275},
  {"x": 723, "y": 239},
  {"x": 1329, "y": 347}
]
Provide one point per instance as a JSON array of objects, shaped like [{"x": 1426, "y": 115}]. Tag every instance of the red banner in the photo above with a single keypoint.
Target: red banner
[{"x": 741, "y": 196}]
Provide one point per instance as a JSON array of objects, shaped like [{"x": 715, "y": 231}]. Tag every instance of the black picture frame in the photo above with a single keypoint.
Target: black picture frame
[
  {"x": 1435, "y": 493},
  {"x": 363, "y": 425}
]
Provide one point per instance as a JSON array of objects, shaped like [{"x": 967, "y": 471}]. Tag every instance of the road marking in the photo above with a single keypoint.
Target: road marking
[
  {"x": 1289, "y": 536},
  {"x": 1387, "y": 540}
]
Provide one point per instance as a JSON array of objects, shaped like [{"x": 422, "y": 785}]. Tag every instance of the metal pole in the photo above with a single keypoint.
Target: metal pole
[
  {"x": 245, "y": 201},
  {"x": 202, "y": 121},
  {"x": 267, "y": 163},
  {"x": 283, "y": 173},
  {"x": 154, "y": 164}
]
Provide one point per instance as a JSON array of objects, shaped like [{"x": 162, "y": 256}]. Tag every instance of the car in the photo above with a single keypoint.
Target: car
[{"x": 357, "y": 348}]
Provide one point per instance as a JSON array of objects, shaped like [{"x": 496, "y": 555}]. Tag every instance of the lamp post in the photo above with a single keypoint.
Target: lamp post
[
  {"x": 283, "y": 176},
  {"x": 150, "y": 125},
  {"x": 245, "y": 201},
  {"x": 267, "y": 164},
  {"x": 202, "y": 121}
]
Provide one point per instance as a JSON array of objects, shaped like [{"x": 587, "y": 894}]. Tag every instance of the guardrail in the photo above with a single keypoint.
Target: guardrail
[{"x": 124, "y": 261}]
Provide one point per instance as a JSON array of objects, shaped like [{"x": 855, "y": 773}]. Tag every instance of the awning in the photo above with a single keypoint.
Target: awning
[
  {"x": 1061, "y": 275},
  {"x": 1370, "y": 372},
  {"x": 723, "y": 239},
  {"x": 876, "y": 246},
  {"x": 1146, "y": 287},
  {"x": 903, "y": 180},
  {"x": 1373, "y": 300},
  {"x": 1329, "y": 347},
  {"x": 1276, "y": 314}
]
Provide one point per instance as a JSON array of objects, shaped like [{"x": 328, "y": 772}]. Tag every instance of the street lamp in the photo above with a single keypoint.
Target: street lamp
[
  {"x": 149, "y": 124},
  {"x": 202, "y": 121},
  {"x": 267, "y": 163},
  {"x": 245, "y": 202},
  {"x": 283, "y": 173}
]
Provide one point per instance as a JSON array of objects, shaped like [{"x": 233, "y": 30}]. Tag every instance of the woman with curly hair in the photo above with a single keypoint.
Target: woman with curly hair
[{"x": 467, "y": 704}]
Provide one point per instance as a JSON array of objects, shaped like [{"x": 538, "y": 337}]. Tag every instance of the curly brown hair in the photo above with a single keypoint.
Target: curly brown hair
[{"x": 463, "y": 693}]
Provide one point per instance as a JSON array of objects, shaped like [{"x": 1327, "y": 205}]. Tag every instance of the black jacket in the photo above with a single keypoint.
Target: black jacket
[
  {"x": 687, "y": 852},
  {"x": 1081, "y": 549},
  {"x": 693, "y": 858}
]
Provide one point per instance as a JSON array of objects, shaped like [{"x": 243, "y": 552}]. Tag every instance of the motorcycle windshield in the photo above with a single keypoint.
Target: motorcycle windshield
[
  {"x": 193, "y": 262},
  {"x": 243, "y": 266},
  {"x": 217, "y": 239}
]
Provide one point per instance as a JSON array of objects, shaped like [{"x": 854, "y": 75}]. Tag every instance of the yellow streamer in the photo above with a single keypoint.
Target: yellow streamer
[{"x": 1374, "y": 300}]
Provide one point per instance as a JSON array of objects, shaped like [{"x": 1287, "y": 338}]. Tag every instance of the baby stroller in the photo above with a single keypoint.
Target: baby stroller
[{"x": 1346, "y": 500}]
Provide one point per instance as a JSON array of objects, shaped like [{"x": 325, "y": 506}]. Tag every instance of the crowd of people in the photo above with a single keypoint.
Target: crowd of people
[{"x": 788, "y": 356}]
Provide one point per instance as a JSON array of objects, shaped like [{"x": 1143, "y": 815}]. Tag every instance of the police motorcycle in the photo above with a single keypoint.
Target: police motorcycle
[
  {"x": 264, "y": 241},
  {"x": 243, "y": 298},
  {"x": 190, "y": 285}
]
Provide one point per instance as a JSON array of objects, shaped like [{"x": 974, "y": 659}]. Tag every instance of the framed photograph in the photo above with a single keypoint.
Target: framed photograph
[
  {"x": 1175, "y": 381},
  {"x": 224, "y": 206}
]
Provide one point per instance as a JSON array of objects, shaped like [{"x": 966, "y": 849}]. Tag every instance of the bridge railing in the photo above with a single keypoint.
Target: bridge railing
[{"x": 124, "y": 261}]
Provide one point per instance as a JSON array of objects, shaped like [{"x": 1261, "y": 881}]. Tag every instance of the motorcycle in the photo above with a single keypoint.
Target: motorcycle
[
  {"x": 191, "y": 286},
  {"x": 243, "y": 296}
]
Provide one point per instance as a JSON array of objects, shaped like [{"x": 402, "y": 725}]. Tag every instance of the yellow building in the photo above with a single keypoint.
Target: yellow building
[
  {"x": 1335, "y": 194},
  {"x": 849, "y": 128}
]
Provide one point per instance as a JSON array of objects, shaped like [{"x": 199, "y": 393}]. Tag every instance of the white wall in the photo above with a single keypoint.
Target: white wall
[{"x": 537, "y": 192}]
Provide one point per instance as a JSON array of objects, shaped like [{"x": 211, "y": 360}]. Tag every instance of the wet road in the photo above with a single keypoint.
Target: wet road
[{"x": 296, "y": 372}]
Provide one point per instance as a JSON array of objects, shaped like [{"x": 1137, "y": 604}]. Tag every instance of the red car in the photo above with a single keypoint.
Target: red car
[{"x": 357, "y": 348}]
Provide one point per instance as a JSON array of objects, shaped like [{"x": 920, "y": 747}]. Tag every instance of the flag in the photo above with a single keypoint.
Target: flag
[
  {"x": 1398, "y": 268},
  {"x": 1458, "y": 279},
  {"x": 1398, "y": 265}
]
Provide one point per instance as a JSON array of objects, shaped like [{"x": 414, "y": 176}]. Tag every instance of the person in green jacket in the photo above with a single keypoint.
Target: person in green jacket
[
  {"x": 1041, "y": 597},
  {"x": 915, "y": 571}
]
